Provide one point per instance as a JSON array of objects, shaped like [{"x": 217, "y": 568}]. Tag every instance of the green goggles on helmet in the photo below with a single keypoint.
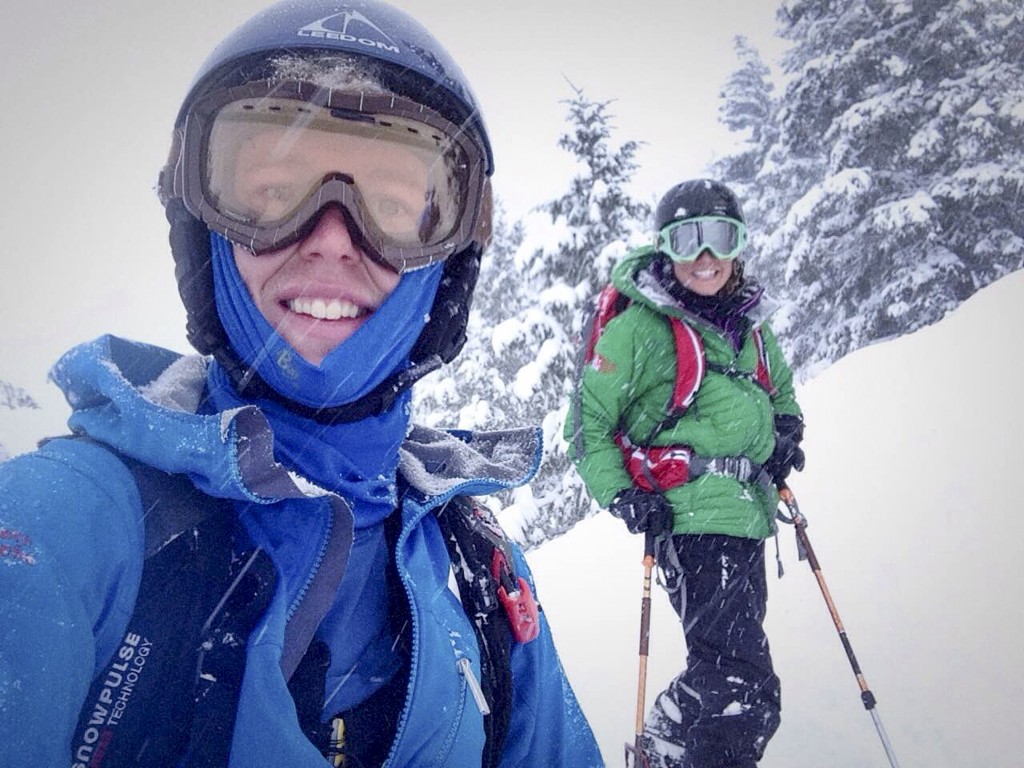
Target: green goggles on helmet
[
  {"x": 259, "y": 163},
  {"x": 685, "y": 240}
]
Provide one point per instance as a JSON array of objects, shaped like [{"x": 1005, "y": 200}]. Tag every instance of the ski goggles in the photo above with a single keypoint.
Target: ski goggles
[
  {"x": 259, "y": 162},
  {"x": 685, "y": 240}
]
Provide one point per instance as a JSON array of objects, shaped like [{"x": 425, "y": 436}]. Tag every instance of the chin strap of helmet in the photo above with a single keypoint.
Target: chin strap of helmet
[{"x": 440, "y": 341}]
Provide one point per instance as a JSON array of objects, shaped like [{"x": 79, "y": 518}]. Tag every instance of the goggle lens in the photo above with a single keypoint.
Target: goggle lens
[
  {"x": 261, "y": 162},
  {"x": 266, "y": 157},
  {"x": 686, "y": 240}
]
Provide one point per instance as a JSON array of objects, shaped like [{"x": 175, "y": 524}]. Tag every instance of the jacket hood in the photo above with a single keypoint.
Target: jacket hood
[
  {"x": 139, "y": 399},
  {"x": 635, "y": 277}
]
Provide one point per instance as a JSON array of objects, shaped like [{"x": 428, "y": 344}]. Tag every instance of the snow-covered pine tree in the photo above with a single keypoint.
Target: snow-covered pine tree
[
  {"x": 538, "y": 282},
  {"x": 892, "y": 191},
  {"x": 748, "y": 109},
  {"x": 15, "y": 397},
  {"x": 471, "y": 392},
  {"x": 591, "y": 226}
]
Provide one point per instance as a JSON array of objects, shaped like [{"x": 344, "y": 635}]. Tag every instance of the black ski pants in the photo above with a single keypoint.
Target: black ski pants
[{"x": 723, "y": 708}]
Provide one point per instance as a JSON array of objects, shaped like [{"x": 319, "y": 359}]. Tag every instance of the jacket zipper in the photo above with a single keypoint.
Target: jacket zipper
[
  {"x": 466, "y": 668},
  {"x": 414, "y": 654},
  {"x": 315, "y": 569}
]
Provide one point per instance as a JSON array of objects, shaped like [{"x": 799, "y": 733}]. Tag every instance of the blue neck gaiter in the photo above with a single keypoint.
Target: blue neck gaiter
[
  {"x": 357, "y": 460},
  {"x": 378, "y": 349}
]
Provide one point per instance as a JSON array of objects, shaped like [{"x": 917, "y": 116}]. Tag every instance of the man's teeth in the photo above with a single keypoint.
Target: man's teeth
[{"x": 321, "y": 309}]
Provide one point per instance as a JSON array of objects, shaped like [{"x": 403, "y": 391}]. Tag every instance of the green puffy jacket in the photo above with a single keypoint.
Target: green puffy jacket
[{"x": 627, "y": 388}]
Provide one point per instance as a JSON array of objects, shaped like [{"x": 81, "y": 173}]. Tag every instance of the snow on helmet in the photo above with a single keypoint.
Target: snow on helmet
[
  {"x": 410, "y": 63},
  {"x": 422, "y": 68},
  {"x": 699, "y": 197}
]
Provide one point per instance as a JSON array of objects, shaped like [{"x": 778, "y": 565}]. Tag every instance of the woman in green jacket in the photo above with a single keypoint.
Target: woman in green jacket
[{"x": 683, "y": 423}]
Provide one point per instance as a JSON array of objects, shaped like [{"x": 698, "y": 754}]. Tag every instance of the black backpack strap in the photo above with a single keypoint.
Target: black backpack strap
[
  {"x": 176, "y": 677},
  {"x": 498, "y": 602},
  {"x": 172, "y": 505},
  {"x": 221, "y": 654}
]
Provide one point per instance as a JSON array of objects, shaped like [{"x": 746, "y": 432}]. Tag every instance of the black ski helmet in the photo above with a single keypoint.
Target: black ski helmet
[
  {"x": 411, "y": 63},
  {"x": 698, "y": 197}
]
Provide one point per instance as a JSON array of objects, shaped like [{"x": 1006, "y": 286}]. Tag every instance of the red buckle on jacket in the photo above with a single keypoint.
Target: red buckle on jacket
[{"x": 517, "y": 600}]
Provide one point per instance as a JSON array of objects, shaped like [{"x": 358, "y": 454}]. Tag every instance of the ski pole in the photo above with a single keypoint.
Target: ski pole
[
  {"x": 636, "y": 750},
  {"x": 800, "y": 522}
]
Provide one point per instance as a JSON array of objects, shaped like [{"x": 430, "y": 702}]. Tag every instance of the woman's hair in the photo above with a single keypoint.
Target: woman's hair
[{"x": 735, "y": 279}]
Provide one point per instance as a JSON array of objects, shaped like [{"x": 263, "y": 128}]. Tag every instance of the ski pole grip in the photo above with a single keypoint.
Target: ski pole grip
[{"x": 649, "y": 540}]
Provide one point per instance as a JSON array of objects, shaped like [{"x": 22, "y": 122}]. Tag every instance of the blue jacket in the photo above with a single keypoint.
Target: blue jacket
[{"x": 71, "y": 553}]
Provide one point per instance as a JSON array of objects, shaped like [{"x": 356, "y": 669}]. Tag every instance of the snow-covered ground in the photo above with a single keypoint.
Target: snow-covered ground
[{"x": 911, "y": 490}]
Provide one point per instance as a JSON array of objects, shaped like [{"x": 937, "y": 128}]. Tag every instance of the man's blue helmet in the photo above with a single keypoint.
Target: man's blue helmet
[{"x": 415, "y": 63}]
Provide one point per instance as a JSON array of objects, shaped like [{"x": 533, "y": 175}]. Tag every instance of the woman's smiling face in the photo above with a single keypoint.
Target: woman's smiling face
[{"x": 705, "y": 276}]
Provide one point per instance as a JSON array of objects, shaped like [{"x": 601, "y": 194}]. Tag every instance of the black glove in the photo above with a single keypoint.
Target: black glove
[
  {"x": 788, "y": 455},
  {"x": 643, "y": 511}
]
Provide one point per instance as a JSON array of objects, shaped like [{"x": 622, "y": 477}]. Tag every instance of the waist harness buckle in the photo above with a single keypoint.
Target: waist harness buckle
[{"x": 516, "y": 598}]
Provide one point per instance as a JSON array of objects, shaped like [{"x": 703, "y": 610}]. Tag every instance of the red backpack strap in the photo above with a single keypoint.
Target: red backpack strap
[
  {"x": 690, "y": 362},
  {"x": 763, "y": 371},
  {"x": 608, "y": 305},
  {"x": 690, "y": 365}
]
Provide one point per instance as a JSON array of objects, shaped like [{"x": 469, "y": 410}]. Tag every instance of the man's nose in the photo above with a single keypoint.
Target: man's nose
[{"x": 331, "y": 237}]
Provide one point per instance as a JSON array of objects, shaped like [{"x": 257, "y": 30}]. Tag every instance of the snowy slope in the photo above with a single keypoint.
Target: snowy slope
[{"x": 914, "y": 447}]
